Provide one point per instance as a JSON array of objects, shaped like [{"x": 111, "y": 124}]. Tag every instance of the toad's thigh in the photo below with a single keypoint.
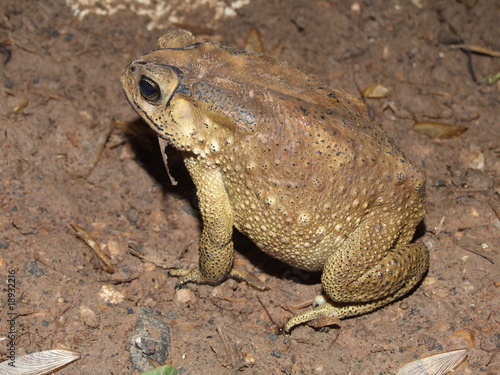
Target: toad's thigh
[{"x": 375, "y": 261}]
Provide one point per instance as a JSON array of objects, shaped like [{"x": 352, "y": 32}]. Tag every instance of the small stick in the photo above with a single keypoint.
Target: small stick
[{"x": 92, "y": 243}]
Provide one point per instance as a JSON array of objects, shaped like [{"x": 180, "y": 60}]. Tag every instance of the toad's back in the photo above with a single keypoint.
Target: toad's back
[{"x": 303, "y": 180}]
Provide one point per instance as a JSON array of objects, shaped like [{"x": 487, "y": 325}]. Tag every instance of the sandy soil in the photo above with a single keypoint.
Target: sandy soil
[{"x": 73, "y": 152}]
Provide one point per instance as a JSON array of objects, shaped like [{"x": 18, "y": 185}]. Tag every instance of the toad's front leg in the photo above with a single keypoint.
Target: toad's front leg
[{"x": 216, "y": 245}]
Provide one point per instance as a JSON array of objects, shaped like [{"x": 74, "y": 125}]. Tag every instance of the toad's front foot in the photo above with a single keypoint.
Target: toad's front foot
[{"x": 194, "y": 275}]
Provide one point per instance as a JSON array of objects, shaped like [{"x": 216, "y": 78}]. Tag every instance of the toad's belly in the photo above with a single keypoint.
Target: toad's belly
[{"x": 292, "y": 234}]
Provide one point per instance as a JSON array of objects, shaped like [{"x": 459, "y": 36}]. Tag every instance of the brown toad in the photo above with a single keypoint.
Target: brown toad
[{"x": 301, "y": 168}]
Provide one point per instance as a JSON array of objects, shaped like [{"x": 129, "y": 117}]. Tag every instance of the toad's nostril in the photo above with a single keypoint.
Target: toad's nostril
[{"x": 132, "y": 69}]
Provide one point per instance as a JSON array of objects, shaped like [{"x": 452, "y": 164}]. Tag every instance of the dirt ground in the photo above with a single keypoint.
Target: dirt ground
[{"x": 74, "y": 152}]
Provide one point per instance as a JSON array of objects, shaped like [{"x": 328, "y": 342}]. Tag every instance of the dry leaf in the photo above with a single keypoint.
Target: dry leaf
[
  {"x": 375, "y": 91},
  {"x": 89, "y": 240},
  {"x": 438, "y": 130},
  {"x": 249, "y": 278},
  {"x": 468, "y": 3},
  {"x": 20, "y": 107},
  {"x": 163, "y": 145},
  {"x": 253, "y": 41},
  {"x": 477, "y": 49}
]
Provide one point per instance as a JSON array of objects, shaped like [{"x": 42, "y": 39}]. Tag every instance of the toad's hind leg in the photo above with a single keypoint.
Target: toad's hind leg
[
  {"x": 361, "y": 276},
  {"x": 348, "y": 307}
]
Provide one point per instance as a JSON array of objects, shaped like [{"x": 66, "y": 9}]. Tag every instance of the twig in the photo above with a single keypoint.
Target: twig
[
  {"x": 267, "y": 312},
  {"x": 477, "y": 49},
  {"x": 92, "y": 243},
  {"x": 476, "y": 252}
]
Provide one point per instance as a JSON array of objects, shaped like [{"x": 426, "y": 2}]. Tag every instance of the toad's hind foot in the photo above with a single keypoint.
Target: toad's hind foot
[
  {"x": 329, "y": 310},
  {"x": 341, "y": 311}
]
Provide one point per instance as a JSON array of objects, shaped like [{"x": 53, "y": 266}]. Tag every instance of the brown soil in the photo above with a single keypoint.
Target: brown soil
[{"x": 74, "y": 152}]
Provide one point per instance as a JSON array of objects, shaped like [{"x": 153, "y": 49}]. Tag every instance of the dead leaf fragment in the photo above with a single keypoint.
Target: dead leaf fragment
[
  {"x": 472, "y": 158},
  {"x": 89, "y": 240},
  {"x": 73, "y": 139},
  {"x": 417, "y": 3},
  {"x": 253, "y": 41},
  {"x": 163, "y": 145},
  {"x": 375, "y": 91},
  {"x": 468, "y": 3},
  {"x": 233, "y": 355},
  {"x": 21, "y": 106},
  {"x": 437, "y": 130},
  {"x": 250, "y": 279},
  {"x": 467, "y": 336},
  {"x": 477, "y": 49}
]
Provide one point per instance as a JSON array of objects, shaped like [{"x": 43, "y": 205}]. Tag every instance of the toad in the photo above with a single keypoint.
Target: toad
[{"x": 299, "y": 167}]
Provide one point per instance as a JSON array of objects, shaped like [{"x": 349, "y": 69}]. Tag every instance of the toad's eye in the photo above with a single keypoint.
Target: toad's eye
[{"x": 150, "y": 90}]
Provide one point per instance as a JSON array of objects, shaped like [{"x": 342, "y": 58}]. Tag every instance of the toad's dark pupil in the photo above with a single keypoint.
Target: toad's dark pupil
[{"x": 149, "y": 89}]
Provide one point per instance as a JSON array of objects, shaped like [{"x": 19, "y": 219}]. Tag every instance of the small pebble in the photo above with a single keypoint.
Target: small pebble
[
  {"x": 468, "y": 287},
  {"x": 89, "y": 317},
  {"x": 34, "y": 269},
  {"x": 472, "y": 158},
  {"x": 183, "y": 296},
  {"x": 356, "y": 7},
  {"x": 114, "y": 248},
  {"x": 441, "y": 292},
  {"x": 132, "y": 215},
  {"x": 249, "y": 360},
  {"x": 319, "y": 369},
  {"x": 111, "y": 295},
  {"x": 429, "y": 280},
  {"x": 276, "y": 353},
  {"x": 149, "y": 267}
]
